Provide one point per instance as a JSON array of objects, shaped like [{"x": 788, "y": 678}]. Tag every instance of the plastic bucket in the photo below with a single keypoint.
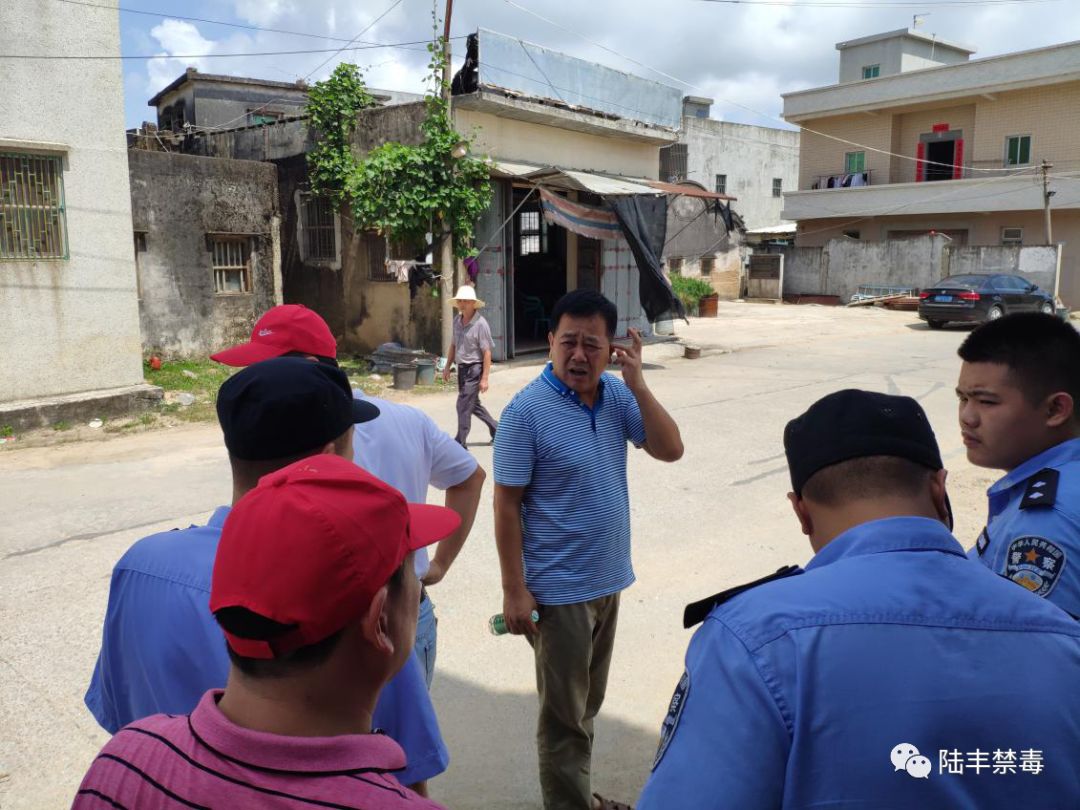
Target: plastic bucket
[
  {"x": 404, "y": 376},
  {"x": 425, "y": 372}
]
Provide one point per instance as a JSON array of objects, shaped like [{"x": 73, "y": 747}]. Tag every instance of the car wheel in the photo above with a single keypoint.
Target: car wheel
[
  {"x": 935, "y": 324},
  {"x": 994, "y": 313},
  {"x": 1047, "y": 308}
]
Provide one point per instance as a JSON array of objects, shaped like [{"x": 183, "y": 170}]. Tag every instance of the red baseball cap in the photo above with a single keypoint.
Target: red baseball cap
[
  {"x": 311, "y": 545},
  {"x": 283, "y": 329}
]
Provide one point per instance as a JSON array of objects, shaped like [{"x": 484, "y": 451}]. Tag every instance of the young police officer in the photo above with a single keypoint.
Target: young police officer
[
  {"x": 1019, "y": 388},
  {"x": 893, "y": 671}
]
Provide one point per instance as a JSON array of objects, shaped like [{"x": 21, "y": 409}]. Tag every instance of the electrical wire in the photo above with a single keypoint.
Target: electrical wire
[
  {"x": 357, "y": 47},
  {"x": 311, "y": 73},
  {"x": 169, "y": 16},
  {"x": 758, "y": 113}
]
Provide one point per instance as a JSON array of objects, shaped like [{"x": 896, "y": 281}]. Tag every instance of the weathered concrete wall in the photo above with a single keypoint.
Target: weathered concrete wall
[
  {"x": 750, "y": 157},
  {"x": 379, "y": 125},
  {"x": 1038, "y": 264},
  {"x": 844, "y": 264},
  {"x": 904, "y": 262},
  {"x": 804, "y": 271},
  {"x": 177, "y": 200},
  {"x": 276, "y": 141},
  {"x": 511, "y": 139},
  {"x": 69, "y": 325}
]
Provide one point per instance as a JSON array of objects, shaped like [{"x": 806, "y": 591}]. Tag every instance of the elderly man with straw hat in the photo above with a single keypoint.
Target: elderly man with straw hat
[{"x": 472, "y": 351}]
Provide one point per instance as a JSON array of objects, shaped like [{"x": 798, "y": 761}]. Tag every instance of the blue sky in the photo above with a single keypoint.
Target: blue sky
[{"x": 744, "y": 56}]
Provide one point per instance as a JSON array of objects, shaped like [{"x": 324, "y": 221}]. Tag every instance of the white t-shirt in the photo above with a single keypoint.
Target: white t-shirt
[{"x": 405, "y": 448}]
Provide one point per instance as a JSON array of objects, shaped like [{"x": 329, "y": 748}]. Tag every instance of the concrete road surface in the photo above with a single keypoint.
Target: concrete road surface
[{"x": 717, "y": 518}]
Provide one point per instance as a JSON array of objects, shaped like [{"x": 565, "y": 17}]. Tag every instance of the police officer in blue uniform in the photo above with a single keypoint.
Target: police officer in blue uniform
[
  {"x": 1019, "y": 393},
  {"x": 893, "y": 672}
]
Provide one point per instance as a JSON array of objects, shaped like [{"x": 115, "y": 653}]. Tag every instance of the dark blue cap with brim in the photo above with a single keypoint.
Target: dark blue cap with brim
[
  {"x": 853, "y": 424},
  {"x": 289, "y": 405}
]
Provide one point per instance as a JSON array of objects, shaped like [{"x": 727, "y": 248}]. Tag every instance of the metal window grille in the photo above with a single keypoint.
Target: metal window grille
[
  {"x": 721, "y": 184},
  {"x": 708, "y": 265},
  {"x": 32, "y": 219},
  {"x": 674, "y": 162},
  {"x": 777, "y": 187},
  {"x": 318, "y": 224},
  {"x": 232, "y": 264},
  {"x": 533, "y": 233}
]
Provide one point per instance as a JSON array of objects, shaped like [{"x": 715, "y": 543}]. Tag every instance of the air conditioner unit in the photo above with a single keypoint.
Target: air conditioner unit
[{"x": 1012, "y": 236}]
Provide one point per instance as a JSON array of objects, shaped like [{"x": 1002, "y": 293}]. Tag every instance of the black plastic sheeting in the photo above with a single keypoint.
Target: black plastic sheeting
[{"x": 643, "y": 218}]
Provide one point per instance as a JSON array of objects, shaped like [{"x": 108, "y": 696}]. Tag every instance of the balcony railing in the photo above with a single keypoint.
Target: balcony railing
[{"x": 843, "y": 180}]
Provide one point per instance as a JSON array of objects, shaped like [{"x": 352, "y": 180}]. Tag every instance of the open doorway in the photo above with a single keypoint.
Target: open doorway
[
  {"x": 941, "y": 155},
  {"x": 539, "y": 274}
]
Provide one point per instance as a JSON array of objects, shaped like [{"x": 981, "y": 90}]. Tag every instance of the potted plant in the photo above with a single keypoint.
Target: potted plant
[{"x": 696, "y": 294}]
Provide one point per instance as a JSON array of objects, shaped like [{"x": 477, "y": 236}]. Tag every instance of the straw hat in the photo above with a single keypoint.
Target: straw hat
[{"x": 466, "y": 293}]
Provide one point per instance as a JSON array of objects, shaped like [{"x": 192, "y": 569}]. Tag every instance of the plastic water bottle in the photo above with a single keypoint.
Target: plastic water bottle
[{"x": 497, "y": 623}]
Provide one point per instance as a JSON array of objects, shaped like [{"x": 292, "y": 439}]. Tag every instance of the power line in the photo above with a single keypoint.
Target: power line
[
  {"x": 876, "y": 5},
  {"x": 758, "y": 113},
  {"x": 315, "y": 70},
  {"x": 358, "y": 47},
  {"x": 165, "y": 15}
]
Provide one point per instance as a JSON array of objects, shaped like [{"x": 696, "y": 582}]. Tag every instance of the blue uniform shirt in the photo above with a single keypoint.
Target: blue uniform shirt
[
  {"x": 571, "y": 459},
  {"x": 1032, "y": 533},
  {"x": 161, "y": 648},
  {"x": 890, "y": 657}
]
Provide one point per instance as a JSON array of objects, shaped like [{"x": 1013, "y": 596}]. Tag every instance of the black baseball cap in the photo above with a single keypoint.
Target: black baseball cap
[
  {"x": 853, "y": 424},
  {"x": 281, "y": 407}
]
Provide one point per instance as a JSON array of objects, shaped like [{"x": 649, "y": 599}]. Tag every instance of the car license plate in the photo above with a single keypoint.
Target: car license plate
[{"x": 944, "y": 299}]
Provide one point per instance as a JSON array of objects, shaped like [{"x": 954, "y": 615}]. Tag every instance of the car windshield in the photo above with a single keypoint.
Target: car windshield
[{"x": 973, "y": 280}]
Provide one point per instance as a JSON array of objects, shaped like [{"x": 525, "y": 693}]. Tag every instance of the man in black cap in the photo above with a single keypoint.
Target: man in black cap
[
  {"x": 892, "y": 671},
  {"x": 161, "y": 648}
]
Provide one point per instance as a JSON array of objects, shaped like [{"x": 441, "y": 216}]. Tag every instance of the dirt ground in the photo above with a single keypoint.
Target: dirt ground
[{"x": 717, "y": 518}]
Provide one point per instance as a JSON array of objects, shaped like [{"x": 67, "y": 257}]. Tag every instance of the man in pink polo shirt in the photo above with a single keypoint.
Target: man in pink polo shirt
[{"x": 311, "y": 586}]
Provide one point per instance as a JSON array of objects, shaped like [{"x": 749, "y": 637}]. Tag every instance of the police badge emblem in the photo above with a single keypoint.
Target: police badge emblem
[
  {"x": 675, "y": 709},
  {"x": 1036, "y": 563}
]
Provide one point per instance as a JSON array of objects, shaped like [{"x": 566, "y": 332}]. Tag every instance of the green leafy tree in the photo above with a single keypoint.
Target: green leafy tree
[
  {"x": 405, "y": 192},
  {"x": 332, "y": 107}
]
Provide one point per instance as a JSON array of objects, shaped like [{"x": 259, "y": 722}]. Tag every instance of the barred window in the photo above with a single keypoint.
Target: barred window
[
  {"x": 32, "y": 220},
  {"x": 532, "y": 236},
  {"x": 232, "y": 264},
  {"x": 317, "y": 222}
]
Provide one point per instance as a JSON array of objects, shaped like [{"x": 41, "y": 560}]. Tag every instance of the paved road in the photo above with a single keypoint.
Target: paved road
[{"x": 717, "y": 518}]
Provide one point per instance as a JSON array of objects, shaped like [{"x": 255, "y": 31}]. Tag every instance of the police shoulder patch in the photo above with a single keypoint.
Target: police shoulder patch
[
  {"x": 1036, "y": 563},
  {"x": 1041, "y": 489},
  {"x": 696, "y": 612},
  {"x": 671, "y": 721}
]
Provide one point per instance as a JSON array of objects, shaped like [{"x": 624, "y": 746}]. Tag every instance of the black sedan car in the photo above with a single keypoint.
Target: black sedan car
[{"x": 981, "y": 297}]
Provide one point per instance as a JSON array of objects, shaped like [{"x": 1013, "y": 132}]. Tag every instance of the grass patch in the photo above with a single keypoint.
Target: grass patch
[
  {"x": 199, "y": 378},
  {"x": 62, "y": 425},
  {"x": 6, "y": 431}
]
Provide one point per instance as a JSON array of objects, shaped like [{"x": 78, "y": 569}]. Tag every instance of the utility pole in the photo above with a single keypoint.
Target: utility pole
[
  {"x": 446, "y": 248},
  {"x": 1047, "y": 194}
]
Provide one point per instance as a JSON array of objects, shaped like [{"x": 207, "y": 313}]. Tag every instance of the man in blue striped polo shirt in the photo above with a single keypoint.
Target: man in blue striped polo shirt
[{"x": 562, "y": 525}]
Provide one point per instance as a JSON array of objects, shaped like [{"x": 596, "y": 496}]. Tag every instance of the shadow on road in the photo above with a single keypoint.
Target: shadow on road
[{"x": 492, "y": 742}]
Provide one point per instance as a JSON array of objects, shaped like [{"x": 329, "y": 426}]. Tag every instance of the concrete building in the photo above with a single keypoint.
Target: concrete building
[
  {"x": 934, "y": 142},
  {"x": 753, "y": 164},
  {"x": 207, "y": 249},
  {"x": 68, "y": 300},
  {"x": 210, "y": 101}
]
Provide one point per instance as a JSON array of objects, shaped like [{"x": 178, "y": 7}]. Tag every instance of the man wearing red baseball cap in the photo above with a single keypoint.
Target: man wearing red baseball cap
[
  {"x": 405, "y": 448},
  {"x": 313, "y": 588}
]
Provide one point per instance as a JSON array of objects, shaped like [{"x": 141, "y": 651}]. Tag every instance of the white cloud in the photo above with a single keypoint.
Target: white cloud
[
  {"x": 739, "y": 53},
  {"x": 176, "y": 37}
]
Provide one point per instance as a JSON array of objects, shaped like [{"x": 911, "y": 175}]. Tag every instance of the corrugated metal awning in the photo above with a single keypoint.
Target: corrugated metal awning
[
  {"x": 689, "y": 190},
  {"x": 571, "y": 180}
]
